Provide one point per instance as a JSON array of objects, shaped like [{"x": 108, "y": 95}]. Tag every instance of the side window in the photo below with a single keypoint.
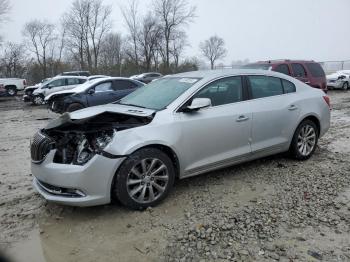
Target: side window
[
  {"x": 265, "y": 86},
  {"x": 123, "y": 84},
  {"x": 282, "y": 68},
  {"x": 72, "y": 81},
  {"x": 315, "y": 69},
  {"x": 81, "y": 81},
  {"x": 298, "y": 70},
  {"x": 223, "y": 91},
  {"x": 288, "y": 87},
  {"x": 104, "y": 87},
  {"x": 58, "y": 82}
]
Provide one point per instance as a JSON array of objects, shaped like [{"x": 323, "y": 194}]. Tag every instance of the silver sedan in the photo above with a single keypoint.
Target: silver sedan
[{"x": 179, "y": 126}]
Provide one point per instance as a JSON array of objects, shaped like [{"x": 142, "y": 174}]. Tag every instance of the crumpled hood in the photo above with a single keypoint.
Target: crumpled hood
[
  {"x": 71, "y": 91},
  {"x": 111, "y": 108},
  {"x": 84, "y": 115}
]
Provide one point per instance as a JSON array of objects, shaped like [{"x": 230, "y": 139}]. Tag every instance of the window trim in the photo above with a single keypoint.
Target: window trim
[{"x": 245, "y": 96}]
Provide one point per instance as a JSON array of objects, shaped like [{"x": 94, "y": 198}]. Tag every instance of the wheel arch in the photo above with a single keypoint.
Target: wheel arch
[{"x": 164, "y": 148}]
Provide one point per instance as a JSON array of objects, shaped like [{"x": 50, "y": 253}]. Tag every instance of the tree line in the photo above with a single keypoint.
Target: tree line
[{"x": 84, "y": 39}]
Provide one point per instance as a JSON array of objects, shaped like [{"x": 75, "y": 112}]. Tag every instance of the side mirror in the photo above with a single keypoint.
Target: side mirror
[
  {"x": 91, "y": 91},
  {"x": 199, "y": 103}
]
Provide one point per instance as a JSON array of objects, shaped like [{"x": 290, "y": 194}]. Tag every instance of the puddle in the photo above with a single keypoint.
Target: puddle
[{"x": 28, "y": 250}]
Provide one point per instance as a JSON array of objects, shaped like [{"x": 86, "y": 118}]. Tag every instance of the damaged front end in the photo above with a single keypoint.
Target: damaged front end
[{"x": 76, "y": 141}]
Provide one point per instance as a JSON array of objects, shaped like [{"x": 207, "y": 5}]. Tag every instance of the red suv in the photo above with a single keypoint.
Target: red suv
[{"x": 309, "y": 72}]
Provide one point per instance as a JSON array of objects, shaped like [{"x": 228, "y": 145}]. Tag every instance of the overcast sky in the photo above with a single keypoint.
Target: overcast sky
[{"x": 253, "y": 29}]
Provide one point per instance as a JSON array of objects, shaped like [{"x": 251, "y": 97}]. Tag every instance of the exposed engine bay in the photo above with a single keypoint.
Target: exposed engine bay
[{"x": 77, "y": 141}]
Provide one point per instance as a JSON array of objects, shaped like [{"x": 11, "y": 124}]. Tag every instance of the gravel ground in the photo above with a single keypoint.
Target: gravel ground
[{"x": 270, "y": 209}]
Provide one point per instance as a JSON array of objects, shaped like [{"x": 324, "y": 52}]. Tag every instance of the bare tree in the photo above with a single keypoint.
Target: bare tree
[
  {"x": 40, "y": 36},
  {"x": 130, "y": 14},
  {"x": 179, "y": 43},
  {"x": 86, "y": 24},
  {"x": 148, "y": 38},
  {"x": 4, "y": 9},
  {"x": 111, "y": 54},
  {"x": 213, "y": 49},
  {"x": 13, "y": 62},
  {"x": 173, "y": 15}
]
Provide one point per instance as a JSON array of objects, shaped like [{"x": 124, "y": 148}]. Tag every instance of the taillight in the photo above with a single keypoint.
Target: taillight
[{"x": 328, "y": 101}]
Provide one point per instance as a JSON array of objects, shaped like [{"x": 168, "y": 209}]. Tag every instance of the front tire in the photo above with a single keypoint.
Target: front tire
[
  {"x": 345, "y": 86},
  {"x": 38, "y": 100},
  {"x": 304, "y": 141},
  {"x": 144, "y": 179}
]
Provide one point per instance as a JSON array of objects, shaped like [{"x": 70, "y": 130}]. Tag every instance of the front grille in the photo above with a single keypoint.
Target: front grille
[{"x": 40, "y": 147}]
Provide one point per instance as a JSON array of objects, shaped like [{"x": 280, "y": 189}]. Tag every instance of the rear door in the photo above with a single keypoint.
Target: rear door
[
  {"x": 275, "y": 111},
  {"x": 103, "y": 94},
  {"x": 300, "y": 73}
]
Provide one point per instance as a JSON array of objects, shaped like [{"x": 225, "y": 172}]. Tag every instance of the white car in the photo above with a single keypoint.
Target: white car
[
  {"x": 10, "y": 86},
  {"x": 58, "y": 83},
  {"x": 176, "y": 127},
  {"x": 339, "y": 80}
]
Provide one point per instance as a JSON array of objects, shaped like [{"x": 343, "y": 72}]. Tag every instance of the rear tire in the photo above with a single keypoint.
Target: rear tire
[
  {"x": 304, "y": 141},
  {"x": 11, "y": 91},
  {"x": 144, "y": 179},
  {"x": 74, "y": 107}
]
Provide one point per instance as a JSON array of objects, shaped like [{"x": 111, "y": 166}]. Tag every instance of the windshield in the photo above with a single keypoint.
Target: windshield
[
  {"x": 82, "y": 87},
  {"x": 159, "y": 94},
  {"x": 257, "y": 66}
]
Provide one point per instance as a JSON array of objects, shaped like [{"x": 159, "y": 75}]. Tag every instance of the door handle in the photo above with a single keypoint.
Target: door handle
[
  {"x": 242, "y": 118},
  {"x": 292, "y": 107}
]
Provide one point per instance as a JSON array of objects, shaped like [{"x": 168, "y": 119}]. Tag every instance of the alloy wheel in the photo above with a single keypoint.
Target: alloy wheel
[
  {"x": 346, "y": 86},
  {"x": 147, "y": 180},
  {"x": 306, "y": 140},
  {"x": 11, "y": 92},
  {"x": 38, "y": 100}
]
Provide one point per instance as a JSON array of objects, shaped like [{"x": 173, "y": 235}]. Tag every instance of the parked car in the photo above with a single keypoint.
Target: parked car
[
  {"x": 177, "y": 127},
  {"x": 10, "y": 86},
  {"x": 56, "y": 84},
  {"x": 75, "y": 73},
  {"x": 309, "y": 72},
  {"x": 28, "y": 91},
  {"x": 147, "y": 77},
  {"x": 96, "y": 92},
  {"x": 339, "y": 80}
]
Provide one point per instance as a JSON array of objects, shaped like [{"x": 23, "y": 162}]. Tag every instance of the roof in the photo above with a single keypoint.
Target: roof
[
  {"x": 222, "y": 72},
  {"x": 283, "y": 61}
]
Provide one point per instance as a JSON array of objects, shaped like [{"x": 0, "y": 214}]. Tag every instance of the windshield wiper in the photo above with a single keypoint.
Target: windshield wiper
[{"x": 131, "y": 105}]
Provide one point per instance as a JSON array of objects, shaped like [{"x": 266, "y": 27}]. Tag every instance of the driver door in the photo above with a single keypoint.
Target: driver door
[
  {"x": 219, "y": 135},
  {"x": 103, "y": 94}
]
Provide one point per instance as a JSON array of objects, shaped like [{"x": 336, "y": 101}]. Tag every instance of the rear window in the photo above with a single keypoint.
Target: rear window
[
  {"x": 315, "y": 69},
  {"x": 265, "y": 86}
]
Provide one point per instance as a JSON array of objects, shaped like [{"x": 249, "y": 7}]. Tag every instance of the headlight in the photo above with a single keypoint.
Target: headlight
[{"x": 87, "y": 147}]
